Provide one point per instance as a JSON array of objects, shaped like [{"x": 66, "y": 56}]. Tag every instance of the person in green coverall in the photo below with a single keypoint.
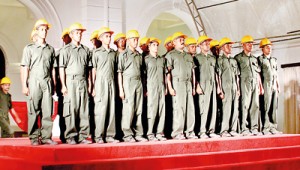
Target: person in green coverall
[{"x": 38, "y": 78}]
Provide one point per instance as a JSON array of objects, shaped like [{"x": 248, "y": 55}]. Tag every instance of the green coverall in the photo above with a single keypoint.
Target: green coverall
[
  {"x": 228, "y": 71},
  {"x": 269, "y": 80},
  {"x": 130, "y": 65},
  {"x": 155, "y": 68},
  {"x": 250, "y": 70},
  {"x": 181, "y": 65},
  {"x": 208, "y": 100},
  {"x": 76, "y": 61},
  {"x": 104, "y": 62},
  {"x": 40, "y": 60}
]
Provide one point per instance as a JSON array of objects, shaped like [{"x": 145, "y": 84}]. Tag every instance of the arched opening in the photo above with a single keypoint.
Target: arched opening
[
  {"x": 2, "y": 64},
  {"x": 164, "y": 25}
]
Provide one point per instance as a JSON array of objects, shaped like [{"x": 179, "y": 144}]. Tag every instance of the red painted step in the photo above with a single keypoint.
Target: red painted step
[{"x": 153, "y": 155}]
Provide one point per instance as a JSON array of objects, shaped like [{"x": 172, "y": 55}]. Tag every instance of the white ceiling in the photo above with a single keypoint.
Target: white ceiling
[{"x": 259, "y": 18}]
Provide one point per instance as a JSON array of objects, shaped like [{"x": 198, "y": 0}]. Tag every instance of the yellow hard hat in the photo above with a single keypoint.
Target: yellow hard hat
[
  {"x": 132, "y": 34},
  {"x": 264, "y": 41},
  {"x": 94, "y": 35},
  {"x": 41, "y": 22},
  {"x": 214, "y": 43},
  {"x": 118, "y": 36},
  {"x": 144, "y": 40},
  {"x": 190, "y": 40},
  {"x": 76, "y": 26},
  {"x": 178, "y": 34},
  {"x": 224, "y": 41},
  {"x": 246, "y": 39},
  {"x": 153, "y": 39},
  {"x": 5, "y": 80},
  {"x": 33, "y": 33},
  {"x": 203, "y": 38},
  {"x": 168, "y": 39},
  {"x": 104, "y": 30},
  {"x": 65, "y": 32}
]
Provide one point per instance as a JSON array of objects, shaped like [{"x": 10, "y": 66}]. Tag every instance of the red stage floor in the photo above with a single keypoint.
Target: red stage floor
[{"x": 262, "y": 152}]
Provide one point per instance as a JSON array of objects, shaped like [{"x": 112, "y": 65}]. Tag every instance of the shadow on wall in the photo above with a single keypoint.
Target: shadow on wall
[
  {"x": 292, "y": 106},
  {"x": 2, "y": 64}
]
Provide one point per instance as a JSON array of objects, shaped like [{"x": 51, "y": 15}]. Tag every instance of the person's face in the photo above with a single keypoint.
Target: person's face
[
  {"x": 121, "y": 43},
  {"x": 267, "y": 49},
  {"x": 192, "y": 48},
  {"x": 76, "y": 35},
  {"x": 105, "y": 38},
  {"x": 227, "y": 48},
  {"x": 133, "y": 42},
  {"x": 42, "y": 31},
  {"x": 153, "y": 47},
  {"x": 204, "y": 46},
  {"x": 169, "y": 46},
  {"x": 248, "y": 47},
  {"x": 5, "y": 87},
  {"x": 144, "y": 47},
  {"x": 179, "y": 43},
  {"x": 66, "y": 39}
]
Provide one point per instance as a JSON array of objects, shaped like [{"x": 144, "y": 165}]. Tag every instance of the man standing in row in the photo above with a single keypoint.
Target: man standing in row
[
  {"x": 229, "y": 93},
  {"x": 38, "y": 76},
  {"x": 104, "y": 62},
  {"x": 155, "y": 90},
  {"x": 250, "y": 87},
  {"x": 206, "y": 88},
  {"x": 271, "y": 88},
  {"x": 74, "y": 63},
  {"x": 131, "y": 89},
  {"x": 181, "y": 84}
]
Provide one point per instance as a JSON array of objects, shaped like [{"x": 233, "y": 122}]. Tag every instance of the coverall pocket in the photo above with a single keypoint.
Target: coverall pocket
[{"x": 67, "y": 103}]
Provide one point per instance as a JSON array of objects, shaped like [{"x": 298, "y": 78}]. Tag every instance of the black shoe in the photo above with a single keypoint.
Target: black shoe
[
  {"x": 49, "y": 142},
  {"x": 71, "y": 141}
]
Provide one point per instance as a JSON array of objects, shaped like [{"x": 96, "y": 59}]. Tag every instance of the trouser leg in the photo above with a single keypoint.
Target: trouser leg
[
  {"x": 245, "y": 101},
  {"x": 254, "y": 109},
  {"x": 47, "y": 110},
  {"x": 71, "y": 107},
  {"x": 111, "y": 127},
  {"x": 213, "y": 104},
  {"x": 34, "y": 108},
  {"x": 204, "y": 103},
  {"x": 190, "y": 110},
  {"x": 139, "y": 108},
  {"x": 84, "y": 117},
  {"x": 179, "y": 108},
  {"x": 235, "y": 114},
  {"x": 128, "y": 108},
  {"x": 161, "y": 111},
  {"x": 226, "y": 110}
]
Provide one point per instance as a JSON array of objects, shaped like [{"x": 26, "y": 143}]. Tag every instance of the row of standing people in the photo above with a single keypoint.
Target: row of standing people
[{"x": 175, "y": 71}]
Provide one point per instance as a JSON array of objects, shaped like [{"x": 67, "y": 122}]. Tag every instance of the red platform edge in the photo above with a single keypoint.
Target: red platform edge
[{"x": 154, "y": 155}]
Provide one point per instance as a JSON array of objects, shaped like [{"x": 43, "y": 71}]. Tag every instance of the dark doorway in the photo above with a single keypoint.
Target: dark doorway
[{"x": 2, "y": 64}]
